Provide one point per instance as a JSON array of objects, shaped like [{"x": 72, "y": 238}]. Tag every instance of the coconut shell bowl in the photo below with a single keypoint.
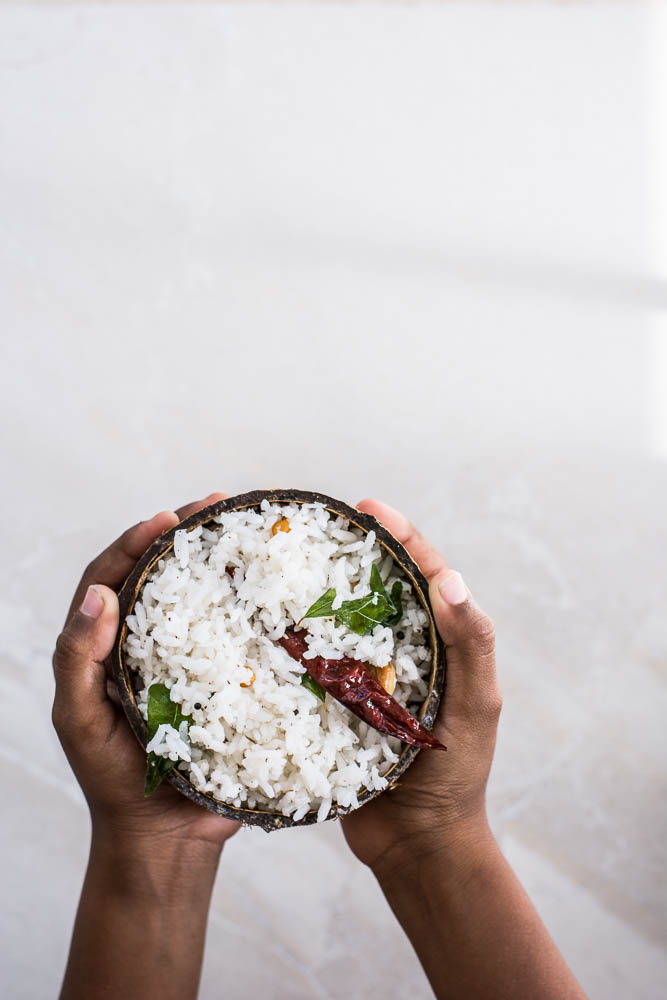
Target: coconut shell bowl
[{"x": 127, "y": 682}]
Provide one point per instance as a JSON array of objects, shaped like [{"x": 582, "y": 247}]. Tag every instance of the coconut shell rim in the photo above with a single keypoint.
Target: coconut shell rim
[{"x": 129, "y": 593}]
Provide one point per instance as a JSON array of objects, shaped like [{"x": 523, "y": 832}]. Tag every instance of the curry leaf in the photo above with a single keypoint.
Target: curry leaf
[
  {"x": 396, "y": 591},
  {"x": 156, "y": 769},
  {"x": 322, "y": 606},
  {"x": 377, "y": 586},
  {"x": 161, "y": 711},
  {"x": 315, "y": 688},
  {"x": 363, "y": 614}
]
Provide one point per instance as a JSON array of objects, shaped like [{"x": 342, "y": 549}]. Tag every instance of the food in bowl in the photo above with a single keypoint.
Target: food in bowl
[{"x": 244, "y": 637}]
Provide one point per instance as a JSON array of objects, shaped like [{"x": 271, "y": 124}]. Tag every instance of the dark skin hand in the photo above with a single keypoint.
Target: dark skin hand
[
  {"x": 152, "y": 861},
  {"x": 441, "y": 790},
  {"x": 428, "y": 842}
]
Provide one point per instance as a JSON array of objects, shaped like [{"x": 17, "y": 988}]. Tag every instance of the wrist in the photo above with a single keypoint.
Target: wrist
[
  {"x": 154, "y": 869},
  {"x": 454, "y": 853},
  {"x": 145, "y": 898}
]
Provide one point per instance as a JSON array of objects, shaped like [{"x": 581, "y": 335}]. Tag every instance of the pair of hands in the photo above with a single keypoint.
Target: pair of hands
[{"x": 440, "y": 802}]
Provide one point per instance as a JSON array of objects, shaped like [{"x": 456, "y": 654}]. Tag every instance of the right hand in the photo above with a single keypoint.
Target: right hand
[
  {"x": 440, "y": 801},
  {"x": 106, "y": 759}
]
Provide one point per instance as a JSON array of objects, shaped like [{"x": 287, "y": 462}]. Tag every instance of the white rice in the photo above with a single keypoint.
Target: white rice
[{"x": 210, "y": 615}]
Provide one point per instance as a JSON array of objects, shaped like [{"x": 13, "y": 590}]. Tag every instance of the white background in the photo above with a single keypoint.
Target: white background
[{"x": 411, "y": 250}]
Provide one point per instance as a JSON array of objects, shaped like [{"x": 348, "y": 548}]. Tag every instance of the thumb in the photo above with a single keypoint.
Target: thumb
[
  {"x": 78, "y": 661},
  {"x": 468, "y": 635}
]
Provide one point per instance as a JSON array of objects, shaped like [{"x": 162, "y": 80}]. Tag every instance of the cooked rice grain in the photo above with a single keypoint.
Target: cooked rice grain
[{"x": 214, "y": 608}]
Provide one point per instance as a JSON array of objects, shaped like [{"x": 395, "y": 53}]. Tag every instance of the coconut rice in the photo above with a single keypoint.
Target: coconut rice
[{"x": 206, "y": 624}]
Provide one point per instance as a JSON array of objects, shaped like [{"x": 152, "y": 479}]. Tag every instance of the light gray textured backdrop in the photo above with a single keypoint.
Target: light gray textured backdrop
[{"x": 405, "y": 250}]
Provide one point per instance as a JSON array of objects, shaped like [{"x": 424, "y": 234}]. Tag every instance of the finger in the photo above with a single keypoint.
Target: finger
[
  {"x": 472, "y": 683},
  {"x": 468, "y": 635},
  {"x": 424, "y": 554},
  {"x": 191, "y": 508},
  {"x": 112, "y": 566},
  {"x": 112, "y": 692},
  {"x": 78, "y": 661}
]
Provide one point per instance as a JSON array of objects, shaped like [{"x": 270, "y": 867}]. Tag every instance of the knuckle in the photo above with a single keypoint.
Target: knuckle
[
  {"x": 91, "y": 569},
  {"x": 491, "y": 705},
  {"x": 482, "y": 708},
  {"x": 72, "y": 729},
  {"x": 66, "y": 648},
  {"x": 485, "y": 633},
  {"x": 59, "y": 718},
  {"x": 496, "y": 702},
  {"x": 56, "y": 716}
]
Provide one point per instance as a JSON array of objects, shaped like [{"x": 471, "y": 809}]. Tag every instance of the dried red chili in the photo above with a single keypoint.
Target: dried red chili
[{"x": 351, "y": 683}]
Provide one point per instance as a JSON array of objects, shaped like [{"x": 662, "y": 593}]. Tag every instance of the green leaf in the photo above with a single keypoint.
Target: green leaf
[
  {"x": 156, "y": 769},
  {"x": 322, "y": 606},
  {"x": 363, "y": 614},
  {"x": 377, "y": 586},
  {"x": 161, "y": 711},
  {"x": 315, "y": 688},
  {"x": 396, "y": 591}
]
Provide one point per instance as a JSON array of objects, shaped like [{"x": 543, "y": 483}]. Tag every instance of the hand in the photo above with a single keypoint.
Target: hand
[
  {"x": 439, "y": 804},
  {"x": 108, "y": 762},
  {"x": 428, "y": 842}
]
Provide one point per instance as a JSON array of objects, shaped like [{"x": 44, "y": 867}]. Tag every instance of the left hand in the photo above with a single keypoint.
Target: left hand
[{"x": 106, "y": 759}]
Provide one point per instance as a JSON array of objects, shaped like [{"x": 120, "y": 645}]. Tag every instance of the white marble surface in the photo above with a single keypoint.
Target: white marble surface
[{"x": 411, "y": 250}]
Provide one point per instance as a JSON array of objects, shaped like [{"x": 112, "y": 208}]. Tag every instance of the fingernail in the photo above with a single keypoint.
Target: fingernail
[
  {"x": 453, "y": 589},
  {"x": 92, "y": 603}
]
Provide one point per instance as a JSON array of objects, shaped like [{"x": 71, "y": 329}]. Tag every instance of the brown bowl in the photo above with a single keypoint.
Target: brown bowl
[{"x": 124, "y": 679}]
